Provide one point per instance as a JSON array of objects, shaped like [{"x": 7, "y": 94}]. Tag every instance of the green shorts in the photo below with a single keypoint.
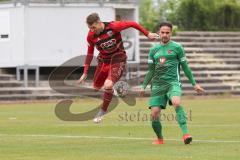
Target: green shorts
[{"x": 161, "y": 99}]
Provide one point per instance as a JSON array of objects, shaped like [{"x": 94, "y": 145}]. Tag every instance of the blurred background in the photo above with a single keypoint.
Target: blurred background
[
  {"x": 42, "y": 50},
  {"x": 37, "y": 36}
]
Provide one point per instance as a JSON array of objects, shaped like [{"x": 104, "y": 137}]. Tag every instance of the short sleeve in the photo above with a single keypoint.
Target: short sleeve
[
  {"x": 181, "y": 54},
  {"x": 150, "y": 56}
]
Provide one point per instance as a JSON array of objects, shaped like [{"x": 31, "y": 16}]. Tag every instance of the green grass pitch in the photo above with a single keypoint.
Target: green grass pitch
[{"x": 31, "y": 131}]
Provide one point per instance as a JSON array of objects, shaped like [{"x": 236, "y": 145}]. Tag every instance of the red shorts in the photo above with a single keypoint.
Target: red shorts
[{"x": 105, "y": 71}]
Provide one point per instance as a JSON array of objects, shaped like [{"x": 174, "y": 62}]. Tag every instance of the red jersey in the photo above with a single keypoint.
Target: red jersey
[{"x": 109, "y": 42}]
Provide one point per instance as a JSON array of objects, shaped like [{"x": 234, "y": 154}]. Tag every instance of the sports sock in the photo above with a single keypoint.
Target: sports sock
[
  {"x": 100, "y": 113},
  {"x": 157, "y": 127},
  {"x": 182, "y": 119},
  {"x": 107, "y": 97}
]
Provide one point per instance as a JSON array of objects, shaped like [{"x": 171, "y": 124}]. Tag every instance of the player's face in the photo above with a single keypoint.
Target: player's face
[
  {"x": 96, "y": 27},
  {"x": 165, "y": 34}
]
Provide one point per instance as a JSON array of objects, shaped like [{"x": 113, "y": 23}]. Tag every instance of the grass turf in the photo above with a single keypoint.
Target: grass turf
[{"x": 32, "y": 131}]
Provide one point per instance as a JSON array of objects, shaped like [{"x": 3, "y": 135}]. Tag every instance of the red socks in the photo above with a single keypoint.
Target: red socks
[{"x": 107, "y": 97}]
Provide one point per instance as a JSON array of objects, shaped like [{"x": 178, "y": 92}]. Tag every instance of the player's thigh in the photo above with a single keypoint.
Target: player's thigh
[
  {"x": 174, "y": 95},
  {"x": 155, "y": 111},
  {"x": 116, "y": 71},
  {"x": 100, "y": 76},
  {"x": 159, "y": 101}
]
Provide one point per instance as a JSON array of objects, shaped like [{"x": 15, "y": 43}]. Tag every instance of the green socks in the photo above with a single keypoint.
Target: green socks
[
  {"x": 157, "y": 127},
  {"x": 182, "y": 119}
]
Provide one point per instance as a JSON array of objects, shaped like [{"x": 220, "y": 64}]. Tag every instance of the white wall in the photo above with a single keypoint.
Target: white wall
[
  {"x": 53, "y": 35},
  {"x": 12, "y": 49},
  {"x": 50, "y": 35},
  {"x": 130, "y": 34}
]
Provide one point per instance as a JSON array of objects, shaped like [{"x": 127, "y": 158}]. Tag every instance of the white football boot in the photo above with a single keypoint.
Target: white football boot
[{"x": 99, "y": 116}]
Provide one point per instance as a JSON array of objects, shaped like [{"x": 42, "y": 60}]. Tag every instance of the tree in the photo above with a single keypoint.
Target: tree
[
  {"x": 149, "y": 15},
  {"x": 207, "y": 15}
]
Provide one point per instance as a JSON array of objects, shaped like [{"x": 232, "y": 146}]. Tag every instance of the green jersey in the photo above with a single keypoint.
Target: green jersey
[
  {"x": 166, "y": 60},
  {"x": 164, "y": 65}
]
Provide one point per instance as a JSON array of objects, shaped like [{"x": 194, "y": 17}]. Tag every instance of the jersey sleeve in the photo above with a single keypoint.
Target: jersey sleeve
[
  {"x": 151, "y": 69},
  {"x": 121, "y": 25},
  {"x": 89, "y": 56},
  {"x": 188, "y": 72},
  {"x": 184, "y": 64},
  {"x": 181, "y": 54}
]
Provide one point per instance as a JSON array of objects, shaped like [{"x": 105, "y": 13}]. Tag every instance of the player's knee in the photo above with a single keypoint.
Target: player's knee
[
  {"x": 176, "y": 102},
  {"x": 108, "y": 84},
  {"x": 155, "y": 115}
]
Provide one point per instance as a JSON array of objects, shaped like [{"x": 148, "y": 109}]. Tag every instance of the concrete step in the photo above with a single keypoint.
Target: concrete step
[
  {"x": 215, "y": 61},
  {"x": 208, "y": 34},
  {"x": 210, "y": 86},
  {"x": 200, "y": 59},
  {"x": 200, "y": 55},
  {"x": 203, "y": 61},
  {"x": 198, "y": 44},
  {"x": 6, "y": 77},
  {"x": 206, "y": 80},
  {"x": 188, "y": 89},
  {"x": 220, "y": 56},
  {"x": 210, "y": 58},
  {"x": 217, "y": 74},
  {"x": 212, "y": 50},
  {"x": 10, "y": 91},
  {"x": 26, "y": 90},
  {"x": 204, "y": 67},
  {"x": 213, "y": 92},
  {"x": 12, "y": 83},
  {"x": 191, "y": 91},
  {"x": 181, "y": 39},
  {"x": 17, "y": 97},
  {"x": 46, "y": 96},
  {"x": 208, "y": 92},
  {"x": 202, "y": 50}
]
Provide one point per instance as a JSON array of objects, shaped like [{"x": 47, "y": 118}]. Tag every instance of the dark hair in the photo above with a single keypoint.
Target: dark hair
[
  {"x": 166, "y": 23},
  {"x": 93, "y": 17}
]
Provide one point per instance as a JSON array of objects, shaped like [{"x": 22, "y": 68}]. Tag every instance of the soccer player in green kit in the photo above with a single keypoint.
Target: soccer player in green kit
[{"x": 164, "y": 61}]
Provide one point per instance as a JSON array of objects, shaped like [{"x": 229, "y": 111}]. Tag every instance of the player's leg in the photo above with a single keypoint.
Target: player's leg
[
  {"x": 156, "y": 124},
  {"x": 157, "y": 103},
  {"x": 108, "y": 94},
  {"x": 110, "y": 70},
  {"x": 175, "y": 97},
  {"x": 100, "y": 76},
  {"x": 114, "y": 74}
]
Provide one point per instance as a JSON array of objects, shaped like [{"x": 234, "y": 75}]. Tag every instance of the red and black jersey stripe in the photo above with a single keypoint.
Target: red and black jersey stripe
[{"x": 109, "y": 42}]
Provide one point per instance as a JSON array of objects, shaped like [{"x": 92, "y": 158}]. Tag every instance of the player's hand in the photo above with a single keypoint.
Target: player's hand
[
  {"x": 141, "y": 92},
  {"x": 81, "y": 79},
  {"x": 199, "y": 89},
  {"x": 152, "y": 36}
]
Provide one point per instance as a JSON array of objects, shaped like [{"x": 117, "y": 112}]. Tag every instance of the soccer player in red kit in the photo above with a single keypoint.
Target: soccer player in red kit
[{"x": 106, "y": 37}]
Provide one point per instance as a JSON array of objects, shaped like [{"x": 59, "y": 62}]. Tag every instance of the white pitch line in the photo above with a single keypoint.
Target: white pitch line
[
  {"x": 147, "y": 124},
  {"x": 119, "y": 138}
]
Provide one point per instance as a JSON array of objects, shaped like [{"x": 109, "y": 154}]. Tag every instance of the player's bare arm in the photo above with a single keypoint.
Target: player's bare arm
[
  {"x": 199, "y": 89},
  {"x": 141, "y": 92},
  {"x": 152, "y": 36},
  {"x": 122, "y": 25},
  {"x": 81, "y": 79}
]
